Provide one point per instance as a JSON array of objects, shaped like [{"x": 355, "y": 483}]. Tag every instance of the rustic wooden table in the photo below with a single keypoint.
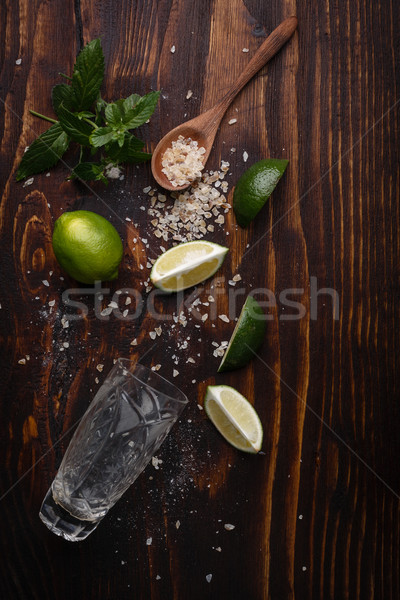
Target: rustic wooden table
[{"x": 316, "y": 515}]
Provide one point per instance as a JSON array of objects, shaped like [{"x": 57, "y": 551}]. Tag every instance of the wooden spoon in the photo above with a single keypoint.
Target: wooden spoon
[{"x": 204, "y": 127}]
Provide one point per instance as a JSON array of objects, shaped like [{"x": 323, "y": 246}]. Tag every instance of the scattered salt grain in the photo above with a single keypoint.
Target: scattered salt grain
[
  {"x": 45, "y": 282},
  {"x": 28, "y": 182},
  {"x": 173, "y": 49},
  {"x": 236, "y": 278},
  {"x": 177, "y": 524},
  {"x": 224, "y": 318},
  {"x": 175, "y": 373},
  {"x": 229, "y": 526},
  {"x": 156, "y": 462},
  {"x": 52, "y": 302},
  {"x": 100, "y": 368},
  {"x": 18, "y": 61},
  {"x": 149, "y": 541},
  {"x": 106, "y": 311},
  {"x": 189, "y": 94},
  {"x": 209, "y": 577},
  {"x": 153, "y": 335},
  {"x": 232, "y": 121},
  {"x": 245, "y": 50},
  {"x": 156, "y": 367},
  {"x": 245, "y": 156},
  {"x": 134, "y": 342},
  {"x": 22, "y": 361}
]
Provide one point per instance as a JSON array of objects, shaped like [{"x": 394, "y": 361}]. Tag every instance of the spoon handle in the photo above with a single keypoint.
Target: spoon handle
[{"x": 266, "y": 51}]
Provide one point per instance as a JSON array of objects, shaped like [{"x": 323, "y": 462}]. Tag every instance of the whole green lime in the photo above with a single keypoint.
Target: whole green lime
[
  {"x": 87, "y": 246},
  {"x": 255, "y": 187}
]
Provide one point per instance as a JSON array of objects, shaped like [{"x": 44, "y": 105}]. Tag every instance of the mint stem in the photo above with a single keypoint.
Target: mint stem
[
  {"x": 66, "y": 76},
  {"x": 36, "y": 114}
]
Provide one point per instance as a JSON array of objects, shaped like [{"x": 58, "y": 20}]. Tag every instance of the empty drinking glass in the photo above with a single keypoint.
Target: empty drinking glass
[{"x": 124, "y": 426}]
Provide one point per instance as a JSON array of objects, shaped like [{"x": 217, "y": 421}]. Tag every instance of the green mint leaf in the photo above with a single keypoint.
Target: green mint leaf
[
  {"x": 88, "y": 75},
  {"x": 130, "y": 102},
  {"x": 142, "y": 110},
  {"x": 120, "y": 137},
  {"x": 44, "y": 152},
  {"x": 101, "y": 136},
  {"x": 77, "y": 129},
  {"x": 129, "y": 152},
  {"x": 85, "y": 114},
  {"x": 113, "y": 114},
  {"x": 89, "y": 171},
  {"x": 63, "y": 93},
  {"x": 99, "y": 107}
]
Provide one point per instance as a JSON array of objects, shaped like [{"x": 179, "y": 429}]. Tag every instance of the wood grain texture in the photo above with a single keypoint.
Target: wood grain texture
[{"x": 317, "y": 514}]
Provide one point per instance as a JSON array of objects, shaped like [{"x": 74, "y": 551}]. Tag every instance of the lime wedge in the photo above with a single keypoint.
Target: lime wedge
[
  {"x": 246, "y": 338},
  {"x": 234, "y": 417},
  {"x": 255, "y": 187},
  {"x": 186, "y": 265}
]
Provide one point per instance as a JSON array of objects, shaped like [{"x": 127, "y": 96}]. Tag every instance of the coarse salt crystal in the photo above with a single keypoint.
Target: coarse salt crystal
[
  {"x": 149, "y": 541},
  {"x": 189, "y": 94},
  {"x": 100, "y": 368},
  {"x": 245, "y": 156},
  {"x": 229, "y": 526},
  {"x": 175, "y": 373},
  {"x": 156, "y": 462},
  {"x": 173, "y": 49},
  {"x": 153, "y": 335},
  {"x": 232, "y": 121},
  {"x": 224, "y": 318},
  {"x": 18, "y": 61},
  {"x": 134, "y": 342},
  {"x": 245, "y": 50},
  {"x": 209, "y": 577}
]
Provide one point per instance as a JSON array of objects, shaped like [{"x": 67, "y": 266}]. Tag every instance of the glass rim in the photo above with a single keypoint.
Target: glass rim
[{"x": 183, "y": 399}]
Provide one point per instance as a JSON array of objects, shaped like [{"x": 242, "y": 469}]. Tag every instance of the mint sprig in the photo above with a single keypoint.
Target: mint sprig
[{"x": 102, "y": 129}]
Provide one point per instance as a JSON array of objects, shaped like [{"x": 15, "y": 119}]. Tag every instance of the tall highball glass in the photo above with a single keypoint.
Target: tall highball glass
[{"x": 124, "y": 426}]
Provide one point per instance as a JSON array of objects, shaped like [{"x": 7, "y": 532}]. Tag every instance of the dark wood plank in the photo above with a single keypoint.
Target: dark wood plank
[{"x": 317, "y": 514}]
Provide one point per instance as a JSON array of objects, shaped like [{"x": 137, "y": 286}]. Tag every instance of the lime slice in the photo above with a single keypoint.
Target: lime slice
[
  {"x": 234, "y": 417},
  {"x": 186, "y": 265},
  {"x": 255, "y": 187},
  {"x": 246, "y": 338}
]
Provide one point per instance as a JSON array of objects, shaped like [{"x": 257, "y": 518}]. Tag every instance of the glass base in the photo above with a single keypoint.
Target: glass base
[{"x": 62, "y": 523}]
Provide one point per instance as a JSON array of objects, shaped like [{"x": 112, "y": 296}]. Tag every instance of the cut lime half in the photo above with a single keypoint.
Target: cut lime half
[
  {"x": 234, "y": 417},
  {"x": 246, "y": 338},
  {"x": 255, "y": 187},
  {"x": 186, "y": 265}
]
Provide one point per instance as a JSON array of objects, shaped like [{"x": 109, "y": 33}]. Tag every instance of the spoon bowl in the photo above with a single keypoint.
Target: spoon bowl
[{"x": 203, "y": 128}]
